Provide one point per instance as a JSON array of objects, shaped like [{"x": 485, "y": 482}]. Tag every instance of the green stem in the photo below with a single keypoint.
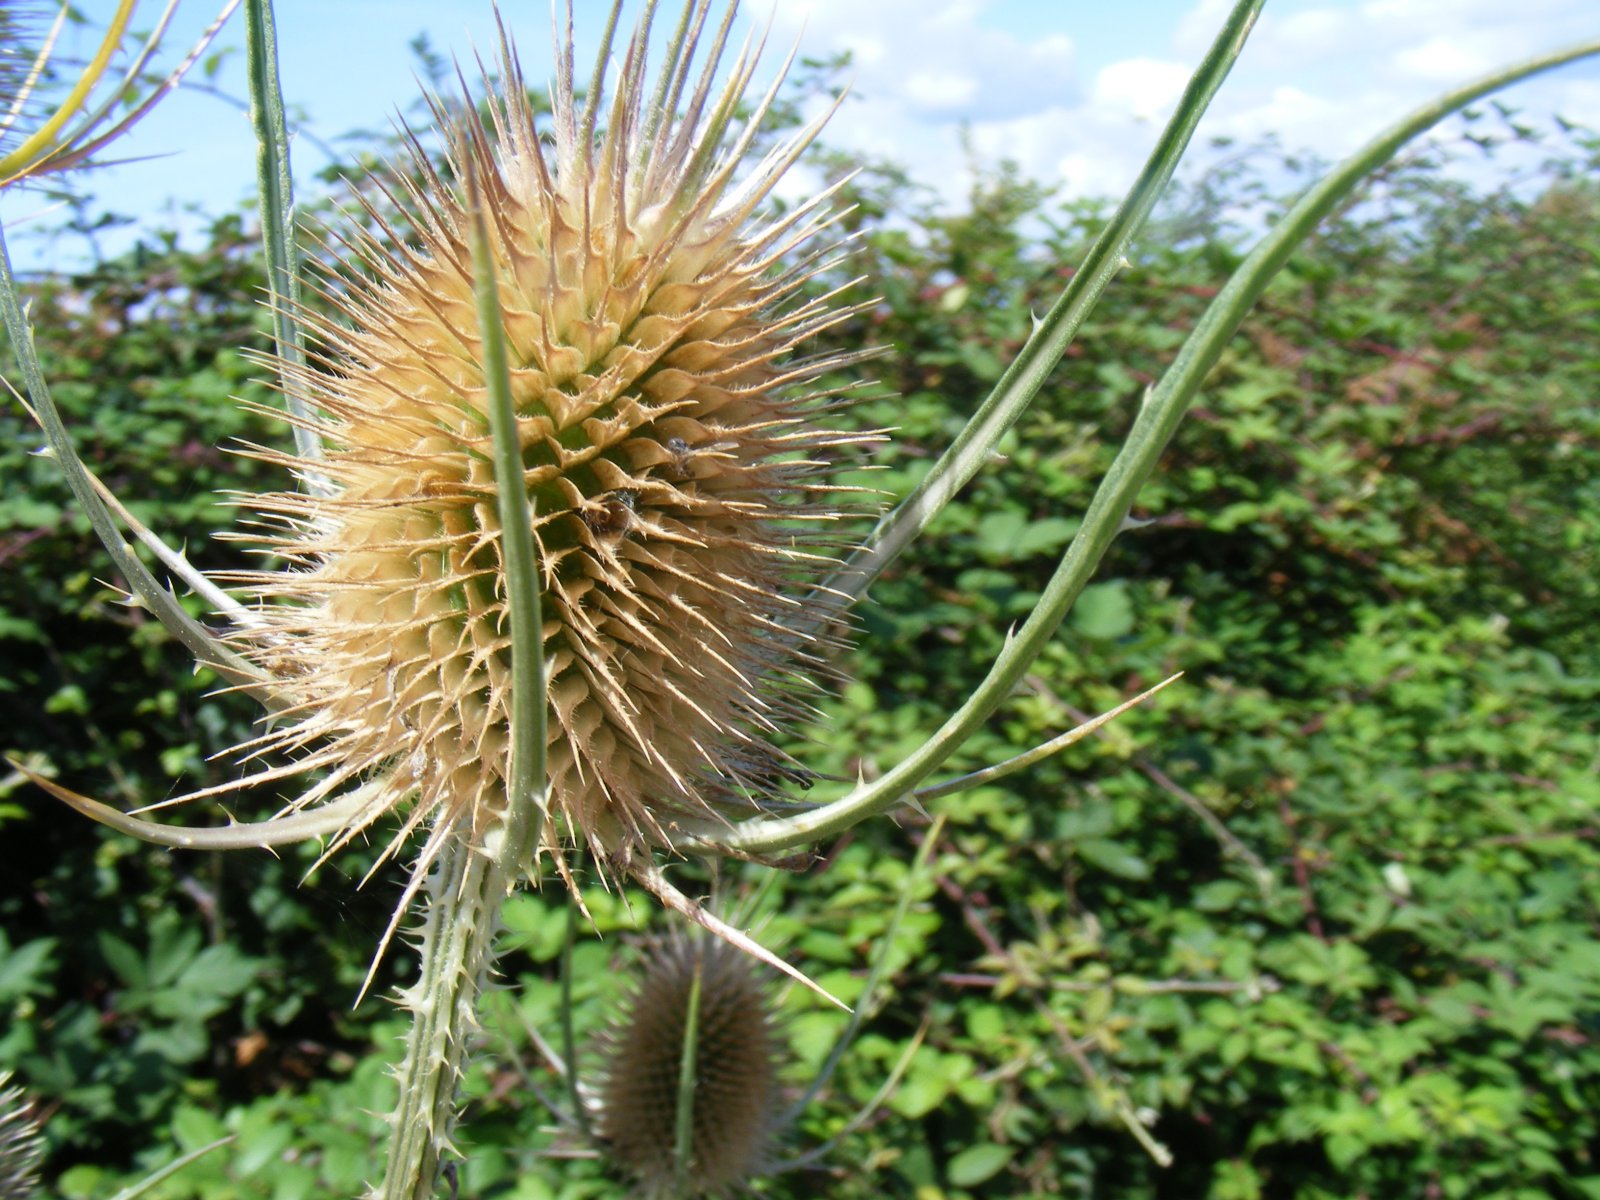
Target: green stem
[
  {"x": 1159, "y": 415},
  {"x": 1052, "y": 335},
  {"x": 464, "y": 894},
  {"x": 276, "y": 186},
  {"x": 155, "y": 1178}
]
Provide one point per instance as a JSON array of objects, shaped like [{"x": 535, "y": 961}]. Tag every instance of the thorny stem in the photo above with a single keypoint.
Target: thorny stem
[
  {"x": 276, "y": 183},
  {"x": 464, "y": 895},
  {"x": 472, "y": 876}
]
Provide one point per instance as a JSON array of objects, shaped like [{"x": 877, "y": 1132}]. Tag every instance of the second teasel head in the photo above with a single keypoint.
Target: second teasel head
[{"x": 734, "y": 1096}]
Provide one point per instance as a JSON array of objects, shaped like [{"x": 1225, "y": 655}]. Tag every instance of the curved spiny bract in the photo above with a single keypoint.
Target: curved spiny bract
[{"x": 677, "y": 446}]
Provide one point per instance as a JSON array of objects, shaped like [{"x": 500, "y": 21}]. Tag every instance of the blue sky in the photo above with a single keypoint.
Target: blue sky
[{"x": 1072, "y": 89}]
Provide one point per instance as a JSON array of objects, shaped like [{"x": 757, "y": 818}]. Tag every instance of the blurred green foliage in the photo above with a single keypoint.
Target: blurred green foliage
[{"x": 1323, "y": 917}]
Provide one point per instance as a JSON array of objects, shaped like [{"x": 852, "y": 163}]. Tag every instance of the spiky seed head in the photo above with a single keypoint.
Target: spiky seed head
[
  {"x": 735, "y": 1092},
  {"x": 677, "y": 445},
  {"x": 21, "y": 1144}
]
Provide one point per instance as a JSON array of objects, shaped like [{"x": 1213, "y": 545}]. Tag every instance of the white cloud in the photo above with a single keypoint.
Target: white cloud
[
  {"x": 1445, "y": 60},
  {"x": 943, "y": 61},
  {"x": 1315, "y": 28},
  {"x": 940, "y": 95},
  {"x": 1145, "y": 88},
  {"x": 1322, "y": 75}
]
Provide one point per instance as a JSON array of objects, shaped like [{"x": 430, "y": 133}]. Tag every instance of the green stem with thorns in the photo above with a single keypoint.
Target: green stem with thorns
[
  {"x": 277, "y": 218},
  {"x": 463, "y": 897},
  {"x": 472, "y": 876},
  {"x": 1160, "y": 414}
]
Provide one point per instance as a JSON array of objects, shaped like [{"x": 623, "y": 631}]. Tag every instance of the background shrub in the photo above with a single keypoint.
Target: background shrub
[{"x": 1323, "y": 916}]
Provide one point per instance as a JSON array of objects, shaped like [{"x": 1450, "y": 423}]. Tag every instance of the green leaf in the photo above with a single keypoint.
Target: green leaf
[
  {"x": 1343, "y": 1150},
  {"x": 1113, "y": 857},
  {"x": 194, "y": 1127},
  {"x": 1103, "y": 611},
  {"x": 123, "y": 959},
  {"x": 1220, "y": 895},
  {"x": 21, "y": 970},
  {"x": 172, "y": 948},
  {"x": 979, "y": 1163},
  {"x": 1051, "y": 533},
  {"x": 919, "y": 1094},
  {"x": 999, "y": 533}
]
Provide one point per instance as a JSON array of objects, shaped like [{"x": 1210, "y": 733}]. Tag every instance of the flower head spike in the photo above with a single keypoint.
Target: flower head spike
[
  {"x": 44, "y": 135},
  {"x": 676, "y": 445}
]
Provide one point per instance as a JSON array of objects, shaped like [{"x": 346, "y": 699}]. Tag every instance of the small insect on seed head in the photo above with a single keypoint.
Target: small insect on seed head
[
  {"x": 679, "y": 460},
  {"x": 678, "y": 454}
]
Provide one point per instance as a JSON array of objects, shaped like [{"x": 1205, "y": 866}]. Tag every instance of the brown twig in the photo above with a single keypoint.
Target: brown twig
[
  {"x": 1213, "y": 823},
  {"x": 1302, "y": 869}
]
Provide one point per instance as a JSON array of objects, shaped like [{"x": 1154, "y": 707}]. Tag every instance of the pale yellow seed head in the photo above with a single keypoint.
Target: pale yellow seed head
[{"x": 678, "y": 444}]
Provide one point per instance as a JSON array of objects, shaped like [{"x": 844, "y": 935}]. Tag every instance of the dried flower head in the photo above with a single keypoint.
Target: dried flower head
[
  {"x": 21, "y": 1144},
  {"x": 677, "y": 445},
  {"x": 735, "y": 1092}
]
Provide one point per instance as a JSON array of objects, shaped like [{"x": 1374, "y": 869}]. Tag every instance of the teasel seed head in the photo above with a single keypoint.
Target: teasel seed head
[
  {"x": 735, "y": 1091},
  {"x": 21, "y": 1144},
  {"x": 678, "y": 443}
]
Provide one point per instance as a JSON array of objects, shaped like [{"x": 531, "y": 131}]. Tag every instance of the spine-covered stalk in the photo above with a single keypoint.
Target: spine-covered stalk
[
  {"x": 475, "y": 871},
  {"x": 464, "y": 895}
]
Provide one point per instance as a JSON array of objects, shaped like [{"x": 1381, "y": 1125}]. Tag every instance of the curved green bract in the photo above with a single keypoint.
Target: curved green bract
[
  {"x": 683, "y": 1126},
  {"x": 42, "y": 144},
  {"x": 1053, "y": 334},
  {"x": 171, "y": 1169},
  {"x": 1159, "y": 416},
  {"x": 322, "y": 821},
  {"x": 469, "y": 882},
  {"x": 206, "y": 647},
  {"x": 527, "y": 790},
  {"x": 276, "y": 187}
]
